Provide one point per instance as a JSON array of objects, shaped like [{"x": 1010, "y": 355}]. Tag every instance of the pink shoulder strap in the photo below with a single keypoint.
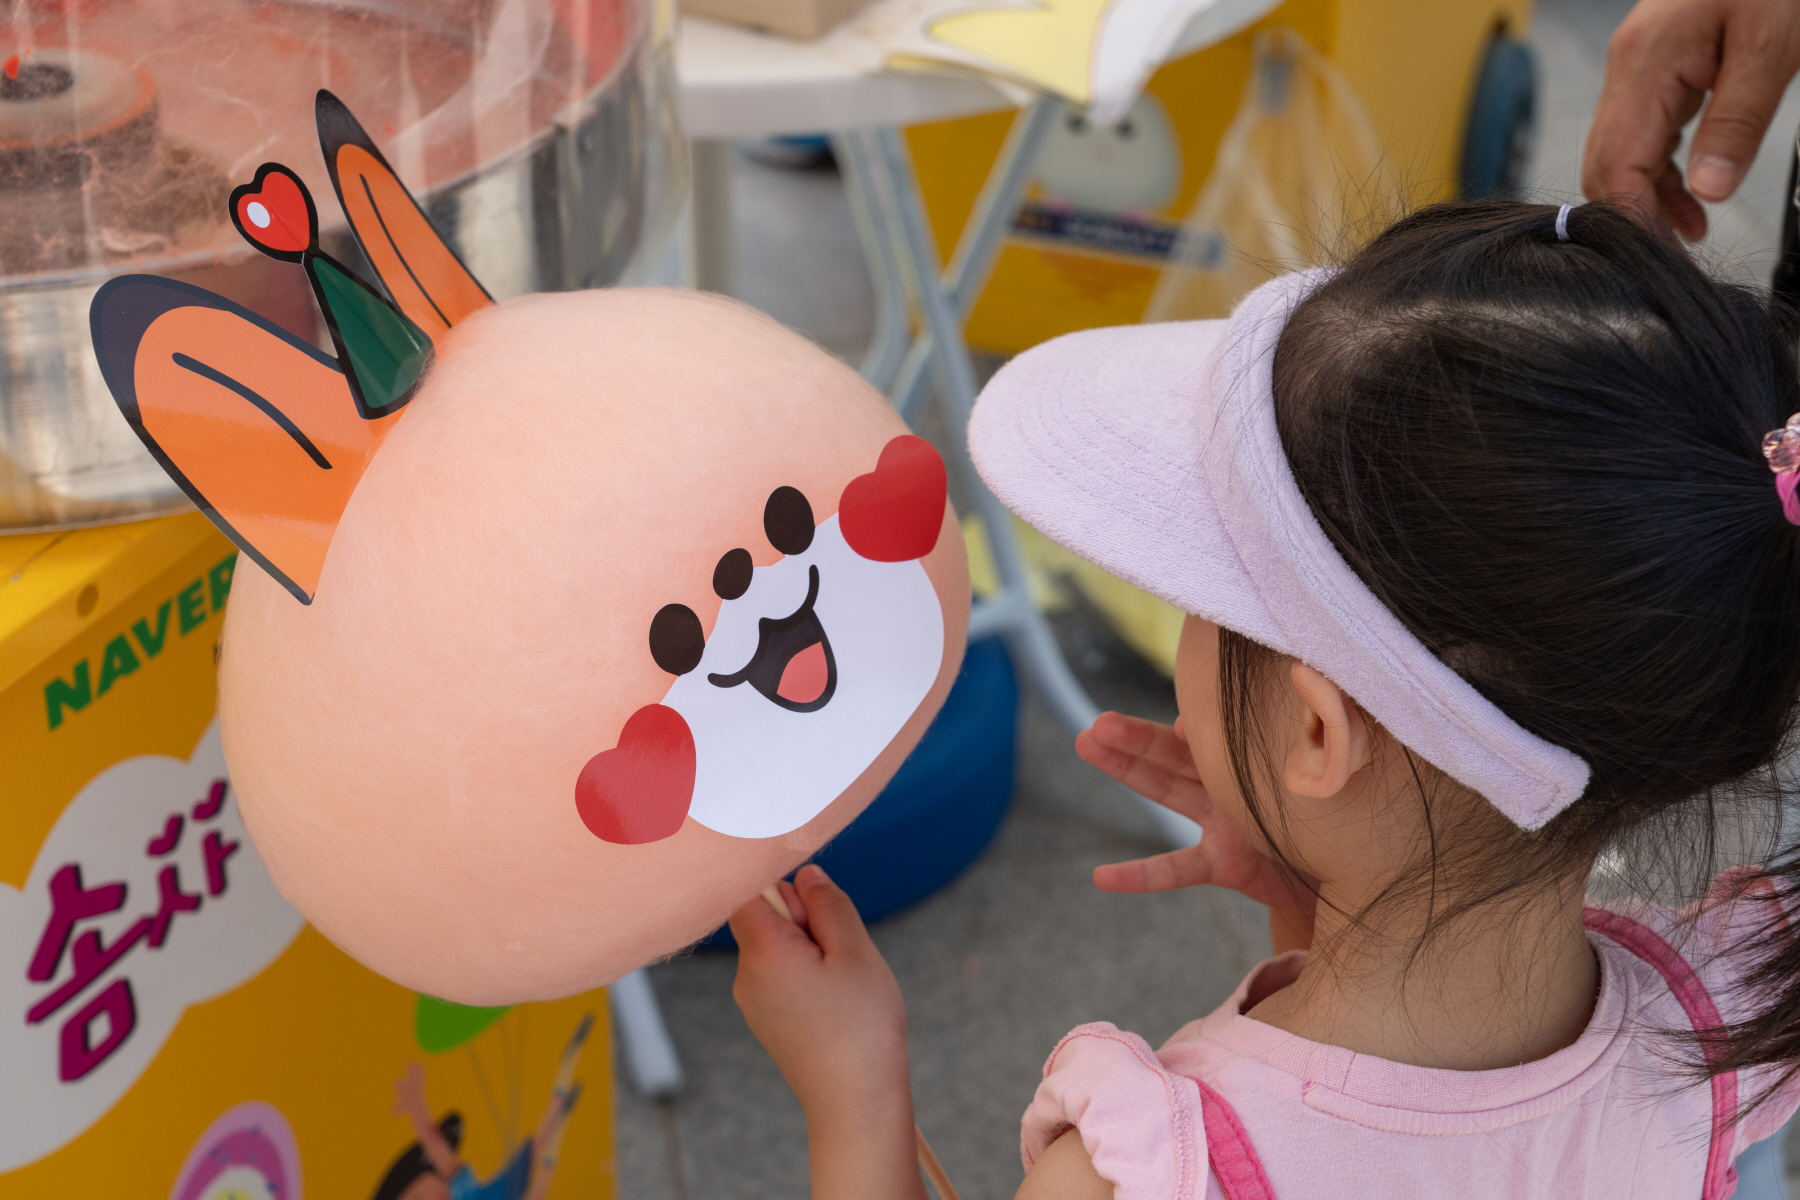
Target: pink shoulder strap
[
  {"x": 1721, "y": 1176},
  {"x": 1240, "y": 1172},
  {"x": 1234, "y": 1161}
]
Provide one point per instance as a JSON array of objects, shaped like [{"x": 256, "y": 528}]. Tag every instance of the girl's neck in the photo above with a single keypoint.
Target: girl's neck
[{"x": 1503, "y": 985}]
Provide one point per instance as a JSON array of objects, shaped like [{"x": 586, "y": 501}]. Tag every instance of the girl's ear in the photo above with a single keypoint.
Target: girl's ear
[{"x": 1331, "y": 741}]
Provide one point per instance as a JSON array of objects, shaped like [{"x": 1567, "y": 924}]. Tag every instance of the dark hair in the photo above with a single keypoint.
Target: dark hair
[
  {"x": 1544, "y": 458},
  {"x": 414, "y": 1162}
]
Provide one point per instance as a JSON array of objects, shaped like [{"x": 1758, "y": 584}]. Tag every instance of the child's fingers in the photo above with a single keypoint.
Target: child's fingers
[
  {"x": 1164, "y": 745},
  {"x": 834, "y": 922},
  {"x": 796, "y": 906},
  {"x": 759, "y": 929},
  {"x": 1174, "y": 790},
  {"x": 1186, "y": 867}
]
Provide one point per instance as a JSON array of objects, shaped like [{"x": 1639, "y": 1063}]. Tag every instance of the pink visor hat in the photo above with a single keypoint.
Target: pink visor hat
[{"x": 1152, "y": 451}]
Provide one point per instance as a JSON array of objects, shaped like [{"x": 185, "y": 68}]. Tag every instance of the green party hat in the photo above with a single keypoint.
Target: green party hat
[{"x": 383, "y": 353}]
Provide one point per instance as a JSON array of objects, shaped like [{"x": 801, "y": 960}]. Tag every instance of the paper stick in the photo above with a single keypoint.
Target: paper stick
[{"x": 928, "y": 1161}]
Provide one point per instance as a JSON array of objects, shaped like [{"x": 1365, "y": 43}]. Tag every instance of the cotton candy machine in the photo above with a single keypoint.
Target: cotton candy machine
[{"x": 539, "y": 133}]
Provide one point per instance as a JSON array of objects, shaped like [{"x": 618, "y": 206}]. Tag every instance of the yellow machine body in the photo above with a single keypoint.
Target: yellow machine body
[
  {"x": 1412, "y": 63},
  {"x": 227, "y": 1045}
]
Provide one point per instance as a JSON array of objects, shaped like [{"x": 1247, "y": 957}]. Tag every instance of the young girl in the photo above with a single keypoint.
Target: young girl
[{"x": 1488, "y": 569}]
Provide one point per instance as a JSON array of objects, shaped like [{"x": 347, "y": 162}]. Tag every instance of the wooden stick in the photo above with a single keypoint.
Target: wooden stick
[
  {"x": 773, "y": 895},
  {"x": 934, "y": 1170},
  {"x": 928, "y": 1160}
]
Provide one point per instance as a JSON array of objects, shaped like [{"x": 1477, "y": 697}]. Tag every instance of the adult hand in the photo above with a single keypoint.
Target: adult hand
[
  {"x": 1154, "y": 761},
  {"x": 1663, "y": 60}
]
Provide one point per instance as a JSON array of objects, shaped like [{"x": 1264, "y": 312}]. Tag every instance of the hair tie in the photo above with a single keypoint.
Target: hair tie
[
  {"x": 1562, "y": 223},
  {"x": 1782, "y": 448}
]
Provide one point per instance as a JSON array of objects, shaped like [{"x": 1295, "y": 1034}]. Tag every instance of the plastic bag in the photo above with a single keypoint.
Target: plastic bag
[{"x": 1300, "y": 179}]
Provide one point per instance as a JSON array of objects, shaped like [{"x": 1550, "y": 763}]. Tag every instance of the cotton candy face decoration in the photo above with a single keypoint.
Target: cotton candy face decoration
[
  {"x": 815, "y": 662},
  {"x": 564, "y": 625}
]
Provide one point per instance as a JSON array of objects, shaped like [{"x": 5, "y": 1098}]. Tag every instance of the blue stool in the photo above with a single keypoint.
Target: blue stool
[{"x": 945, "y": 803}]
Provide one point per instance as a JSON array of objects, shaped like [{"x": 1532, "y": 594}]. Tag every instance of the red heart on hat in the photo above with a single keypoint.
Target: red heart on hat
[
  {"x": 639, "y": 791},
  {"x": 894, "y": 513},
  {"x": 274, "y": 211}
]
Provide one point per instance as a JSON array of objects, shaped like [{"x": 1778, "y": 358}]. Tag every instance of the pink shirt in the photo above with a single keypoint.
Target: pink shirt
[{"x": 1605, "y": 1117}]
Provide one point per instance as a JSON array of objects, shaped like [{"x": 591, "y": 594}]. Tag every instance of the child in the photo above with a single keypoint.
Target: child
[{"x": 1488, "y": 570}]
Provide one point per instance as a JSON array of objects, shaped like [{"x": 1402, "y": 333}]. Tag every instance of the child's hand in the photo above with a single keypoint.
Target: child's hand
[
  {"x": 1153, "y": 760},
  {"x": 821, "y": 999}
]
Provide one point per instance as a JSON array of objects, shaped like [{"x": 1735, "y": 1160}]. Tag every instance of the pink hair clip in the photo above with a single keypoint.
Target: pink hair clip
[{"x": 1782, "y": 448}]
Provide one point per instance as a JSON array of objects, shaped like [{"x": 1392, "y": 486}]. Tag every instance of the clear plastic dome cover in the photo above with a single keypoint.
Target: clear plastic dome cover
[{"x": 539, "y": 134}]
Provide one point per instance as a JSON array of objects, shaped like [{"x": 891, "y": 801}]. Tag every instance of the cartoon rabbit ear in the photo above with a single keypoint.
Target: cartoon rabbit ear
[
  {"x": 426, "y": 279},
  {"x": 255, "y": 425}
]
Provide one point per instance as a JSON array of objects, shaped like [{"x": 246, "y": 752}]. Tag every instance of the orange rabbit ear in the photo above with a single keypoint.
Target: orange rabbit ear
[
  {"x": 428, "y": 282},
  {"x": 257, "y": 427}
]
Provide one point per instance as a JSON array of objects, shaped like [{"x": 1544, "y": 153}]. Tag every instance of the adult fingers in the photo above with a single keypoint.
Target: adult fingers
[
  {"x": 1676, "y": 207},
  {"x": 1658, "y": 65},
  {"x": 1756, "y": 62}
]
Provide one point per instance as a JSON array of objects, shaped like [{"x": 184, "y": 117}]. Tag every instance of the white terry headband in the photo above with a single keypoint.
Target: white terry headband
[{"x": 1153, "y": 451}]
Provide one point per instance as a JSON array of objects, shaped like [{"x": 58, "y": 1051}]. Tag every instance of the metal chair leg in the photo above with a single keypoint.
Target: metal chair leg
[
  {"x": 644, "y": 1043},
  {"x": 711, "y": 215},
  {"x": 979, "y": 245},
  {"x": 1027, "y": 632},
  {"x": 863, "y": 186}
]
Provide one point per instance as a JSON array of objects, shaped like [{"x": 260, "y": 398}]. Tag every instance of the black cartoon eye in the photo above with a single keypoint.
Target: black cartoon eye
[
  {"x": 676, "y": 639},
  {"x": 731, "y": 578},
  {"x": 788, "y": 521}
]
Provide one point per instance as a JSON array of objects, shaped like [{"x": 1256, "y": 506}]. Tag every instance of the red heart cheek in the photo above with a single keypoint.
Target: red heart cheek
[
  {"x": 276, "y": 215},
  {"x": 894, "y": 513},
  {"x": 639, "y": 791}
]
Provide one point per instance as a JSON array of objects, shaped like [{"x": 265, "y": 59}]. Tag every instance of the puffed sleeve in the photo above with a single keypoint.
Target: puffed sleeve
[{"x": 1139, "y": 1123}]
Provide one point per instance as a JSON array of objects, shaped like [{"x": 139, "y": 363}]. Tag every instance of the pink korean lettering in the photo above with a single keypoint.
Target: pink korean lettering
[
  {"x": 96, "y": 1029},
  {"x": 78, "y": 1053},
  {"x": 170, "y": 900},
  {"x": 166, "y": 841},
  {"x": 217, "y": 850}
]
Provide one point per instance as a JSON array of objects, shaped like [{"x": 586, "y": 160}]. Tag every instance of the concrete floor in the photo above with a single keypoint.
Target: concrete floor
[{"x": 997, "y": 966}]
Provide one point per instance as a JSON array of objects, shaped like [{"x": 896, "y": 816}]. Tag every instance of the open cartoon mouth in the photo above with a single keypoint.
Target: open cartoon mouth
[{"x": 793, "y": 664}]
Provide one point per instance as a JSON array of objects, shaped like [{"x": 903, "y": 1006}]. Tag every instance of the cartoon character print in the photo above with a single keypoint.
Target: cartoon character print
[
  {"x": 815, "y": 662},
  {"x": 248, "y": 1153}
]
